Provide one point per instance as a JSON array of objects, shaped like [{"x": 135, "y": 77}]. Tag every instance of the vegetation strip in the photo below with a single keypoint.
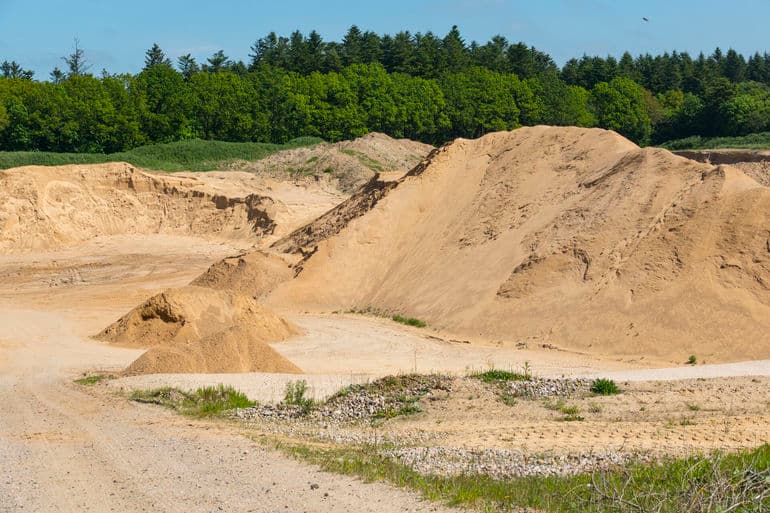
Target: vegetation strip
[
  {"x": 195, "y": 155},
  {"x": 699, "y": 484}
]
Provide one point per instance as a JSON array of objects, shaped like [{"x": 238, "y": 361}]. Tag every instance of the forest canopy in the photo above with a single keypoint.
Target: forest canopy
[{"x": 420, "y": 86}]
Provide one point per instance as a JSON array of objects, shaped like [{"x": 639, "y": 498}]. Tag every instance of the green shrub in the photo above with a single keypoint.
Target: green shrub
[
  {"x": 204, "y": 402},
  {"x": 410, "y": 321},
  {"x": 497, "y": 375},
  {"x": 295, "y": 395},
  {"x": 604, "y": 387},
  {"x": 692, "y": 360}
]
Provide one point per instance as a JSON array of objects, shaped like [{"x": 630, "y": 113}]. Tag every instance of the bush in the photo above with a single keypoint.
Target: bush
[
  {"x": 497, "y": 375},
  {"x": 604, "y": 387},
  {"x": 692, "y": 360},
  {"x": 410, "y": 321},
  {"x": 204, "y": 402},
  {"x": 295, "y": 395}
]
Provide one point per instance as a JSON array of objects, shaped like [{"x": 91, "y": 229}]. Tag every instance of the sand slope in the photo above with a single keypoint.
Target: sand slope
[
  {"x": 199, "y": 330},
  {"x": 48, "y": 207},
  {"x": 573, "y": 237},
  {"x": 348, "y": 164}
]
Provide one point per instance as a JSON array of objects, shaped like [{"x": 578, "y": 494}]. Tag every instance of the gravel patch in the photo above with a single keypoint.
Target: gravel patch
[
  {"x": 385, "y": 398},
  {"x": 502, "y": 463},
  {"x": 544, "y": 388}
]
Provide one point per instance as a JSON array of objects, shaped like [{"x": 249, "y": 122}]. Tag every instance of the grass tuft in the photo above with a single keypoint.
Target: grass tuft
[
  {"x": 295, "y": 395},
  {"x": 498, "y": 375},
  {"x": 92, "y": 380},
  {"x": 604, "y": 387},
  {"x": 410, "y": 321},
  {"x": 204, "y": 402}
]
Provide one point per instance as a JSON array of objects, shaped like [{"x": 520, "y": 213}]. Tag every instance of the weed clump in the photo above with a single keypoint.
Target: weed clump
[
  {"x": 92, "y": 380},
  {"x": 498, "y": 375},
  {"x": 295, "y": 395},
  {"x": 604, "y": 386},
  {"x": 204, "y": 402},
  {"x": 409, "y": 321}
]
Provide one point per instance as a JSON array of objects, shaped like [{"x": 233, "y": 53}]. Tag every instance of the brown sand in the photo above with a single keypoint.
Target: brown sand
[
  {"x": 565, "y": 236},
  {"x": 199, "y": 330}
]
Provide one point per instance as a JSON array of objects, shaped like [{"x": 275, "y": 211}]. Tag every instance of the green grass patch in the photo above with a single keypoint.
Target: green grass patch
[
  {"x": 365, "y": 160},
  {"x": 498, "y": 376},
  {"x": 739, "y": 483},
  {"x": 758, "y": 141},
  {"x": 604, "y": 386},
  {"x": 193, "y": 155},
  {"x": 204, "y": 402},
  {"x": 92, "y": 380},
  {"x": 409, "y": 321}
]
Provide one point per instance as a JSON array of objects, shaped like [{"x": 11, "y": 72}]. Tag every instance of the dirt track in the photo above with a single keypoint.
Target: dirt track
[{"x": 65, "y": 449}]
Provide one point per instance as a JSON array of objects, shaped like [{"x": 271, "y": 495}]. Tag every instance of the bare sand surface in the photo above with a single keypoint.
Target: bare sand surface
[
  {"x": 64, "y": 448},
  {"x": 544, "y": 260}
]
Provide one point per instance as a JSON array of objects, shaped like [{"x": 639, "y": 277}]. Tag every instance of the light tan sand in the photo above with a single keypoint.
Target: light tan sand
[
  {"x": 564, "y": 236},
  {"x": 198, "y": 330}
]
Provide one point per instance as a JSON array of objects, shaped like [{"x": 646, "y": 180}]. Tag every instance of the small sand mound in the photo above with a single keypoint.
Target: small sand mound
[
  {"x": 252, "y": 274},
  {"x": 350, "y": 163},
  {"x": 570, "y": 237},
  {"x": 234, "y": 349},
  {"x": 201, "y": 330}
]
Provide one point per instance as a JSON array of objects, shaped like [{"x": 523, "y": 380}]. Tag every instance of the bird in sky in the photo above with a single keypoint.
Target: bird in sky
[{"x": 645, "y": 18}]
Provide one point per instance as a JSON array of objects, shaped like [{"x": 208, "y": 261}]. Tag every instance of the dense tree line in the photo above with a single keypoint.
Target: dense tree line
[{"x": 419, "y": 86}]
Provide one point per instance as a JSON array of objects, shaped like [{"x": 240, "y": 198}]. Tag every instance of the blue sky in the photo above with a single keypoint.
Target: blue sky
[{"x": 115, "y": 35}]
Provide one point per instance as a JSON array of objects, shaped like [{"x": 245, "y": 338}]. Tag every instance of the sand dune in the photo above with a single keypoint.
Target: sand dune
[{"x": 572, "y": 237}]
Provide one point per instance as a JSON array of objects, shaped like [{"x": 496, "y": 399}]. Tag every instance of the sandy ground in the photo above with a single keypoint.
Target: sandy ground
[
  {"x": 658, "y": 418},
  {"x": 63, "y": 448},
  {"x": 68, "y": 448}
]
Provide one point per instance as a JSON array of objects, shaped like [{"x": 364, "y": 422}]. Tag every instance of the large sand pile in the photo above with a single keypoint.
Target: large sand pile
[
  {"x": 566, "y": 236},
  {"x": 349, "y": 164},
  {"x": 48, "y": 207},
  {"x": 200, "y": 330}
]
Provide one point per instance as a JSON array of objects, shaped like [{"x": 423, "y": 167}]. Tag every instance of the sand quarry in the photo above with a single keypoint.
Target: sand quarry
[{"x": 571, "y": 251}]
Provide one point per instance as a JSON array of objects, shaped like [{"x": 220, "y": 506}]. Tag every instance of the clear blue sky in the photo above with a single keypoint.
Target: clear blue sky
[{"x": 115, "y": 35}]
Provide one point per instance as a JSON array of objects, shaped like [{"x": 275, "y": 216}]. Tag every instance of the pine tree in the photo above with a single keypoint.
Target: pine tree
[
  {"x": 57, "y": 76},
  {"x": 217, "y": 62},
  {"x": 187, "y": 66},
  {"x": 76, "y": 61},
  {"x": 155, "y": 57},
  {"x": 14, "y": 70}
]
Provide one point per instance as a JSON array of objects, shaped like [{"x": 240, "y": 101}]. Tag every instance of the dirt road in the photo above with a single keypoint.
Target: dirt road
[{"x": 66, "y": 449}]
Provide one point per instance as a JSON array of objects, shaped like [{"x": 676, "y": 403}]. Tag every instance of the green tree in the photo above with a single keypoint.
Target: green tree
[
  {"x": 188, "y": 66},
  {"x": 217, "y": 62},
  {"x": 14, "y": 70},
  {"x": 164, "y": 102},
  {"x": 155, "y": 57},
  {"x": 620, "y": 105},
  {"x": 76, "y": 61},
  {"x": 226, "y": 107},
  {"x": 480, "y": 101}
]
